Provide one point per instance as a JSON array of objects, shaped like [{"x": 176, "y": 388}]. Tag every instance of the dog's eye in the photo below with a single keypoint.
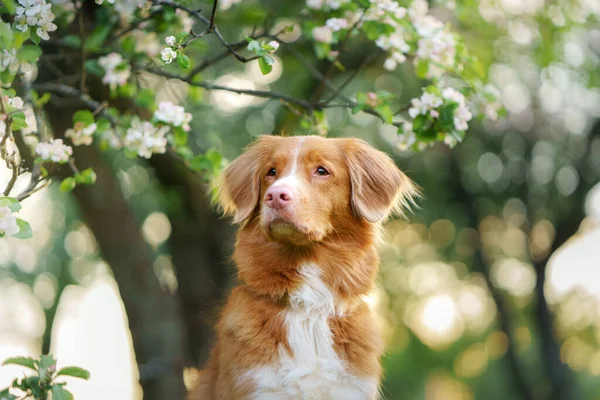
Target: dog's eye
[
  {"x": 322, "y": 171},
  {"x": 272, "y": 172}
]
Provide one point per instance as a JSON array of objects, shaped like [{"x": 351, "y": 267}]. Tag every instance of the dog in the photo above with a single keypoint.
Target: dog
[{"x": 297, "y": 326}]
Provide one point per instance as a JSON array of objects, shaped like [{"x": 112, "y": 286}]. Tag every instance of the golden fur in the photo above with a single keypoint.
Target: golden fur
[{"x": 338, "y": 215}]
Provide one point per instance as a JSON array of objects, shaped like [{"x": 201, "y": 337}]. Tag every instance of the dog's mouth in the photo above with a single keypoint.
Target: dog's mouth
[{"x": 286, "y": 231}]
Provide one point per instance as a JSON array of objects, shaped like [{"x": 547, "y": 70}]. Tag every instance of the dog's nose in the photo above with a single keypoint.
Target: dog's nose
[{"x": 279, "y": 196}]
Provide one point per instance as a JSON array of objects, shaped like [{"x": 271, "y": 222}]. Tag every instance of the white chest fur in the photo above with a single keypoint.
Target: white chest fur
[{"x": 313, "y": 371}]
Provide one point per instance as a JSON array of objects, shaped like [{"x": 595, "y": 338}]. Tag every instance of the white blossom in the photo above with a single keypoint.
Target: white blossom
[
  {"x": 170, "y": 40},
  {"x": 427, "y": 25},
  {"x": 418, "y": 8},
  {"x": 274, "y": 44},
  {"x": 226, "y": 4},
  {"x": 423, "y": 105},
  {"x": 116, "y": 70},
  {"x": 146, "y": 139},
  {"x": 35, "y": 14},
  {"x": 168, "y": 55},
  {"x": 323, "y": 34},
  {"x": 337, "y": 24},
  {"x": 18, "y": 103},
  {"x": 8, "y": 222},
  {"x": 462, "y": 114},
  {"x": 7, "y": 58},
  {"x": 81, "y": 134},
  {"x": 173, "y": 114},
  {"x": 407, "y": 138},
  {"x": 439, "y": 50},
  {"x": 54, "y": 151}
]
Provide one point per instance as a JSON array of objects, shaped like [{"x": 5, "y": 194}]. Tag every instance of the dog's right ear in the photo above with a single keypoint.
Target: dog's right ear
[{"x": 238, "y": 187}]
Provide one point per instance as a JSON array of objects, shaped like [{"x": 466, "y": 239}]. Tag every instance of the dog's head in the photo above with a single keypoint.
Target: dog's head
[{"x": 302, "y": 188}]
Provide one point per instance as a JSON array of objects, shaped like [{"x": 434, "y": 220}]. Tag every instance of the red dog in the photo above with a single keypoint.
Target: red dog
[{"x": 297, "y": 327}]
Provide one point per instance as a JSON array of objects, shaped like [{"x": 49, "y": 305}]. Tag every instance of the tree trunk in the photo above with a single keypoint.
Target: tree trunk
[
  {"x": 201, "y": 244},
  {"x": 154, "y": 315}
]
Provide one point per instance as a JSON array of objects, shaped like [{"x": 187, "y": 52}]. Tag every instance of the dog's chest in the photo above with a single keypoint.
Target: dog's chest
[{"x": 312, "y": 370}]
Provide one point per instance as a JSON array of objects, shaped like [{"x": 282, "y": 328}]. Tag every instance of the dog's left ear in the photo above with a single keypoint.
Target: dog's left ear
[{"x": 379, "y": 188}]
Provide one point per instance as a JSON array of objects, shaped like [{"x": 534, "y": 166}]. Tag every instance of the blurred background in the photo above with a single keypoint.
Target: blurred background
[{"x": 490, "y": 290}]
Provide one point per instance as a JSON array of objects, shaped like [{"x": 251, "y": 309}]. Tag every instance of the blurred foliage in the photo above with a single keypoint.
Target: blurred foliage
[{"x": 462, "y": 284}]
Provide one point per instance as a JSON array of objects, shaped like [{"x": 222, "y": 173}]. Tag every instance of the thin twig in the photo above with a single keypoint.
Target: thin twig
[
  {"x": 65, "y": 90},
  {"x": 13, "y": 178},
  {"x": 212, "y": 86},
  {"x": 350, "y": 78}
]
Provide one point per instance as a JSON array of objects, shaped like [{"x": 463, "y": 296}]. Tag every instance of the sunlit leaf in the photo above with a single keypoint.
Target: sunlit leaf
[
  {"x": 22, "y": 361},
  {"x": 74, "y": 371}
]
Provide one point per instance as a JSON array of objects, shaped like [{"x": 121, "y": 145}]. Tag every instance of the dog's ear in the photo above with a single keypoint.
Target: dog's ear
[
  {"x": 238, "y": 187},
  {"x": 379, "y": 188}
]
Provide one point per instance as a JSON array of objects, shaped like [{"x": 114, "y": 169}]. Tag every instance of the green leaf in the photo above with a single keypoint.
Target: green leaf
[
  {"x": 128, "y": 45},
  {"x": 95, "y": 40},
  {"x": 86, "y": 177},
  {"x": 68, "y": 184},
  {"x": 34, "y": 36},
  {"x": 25, "y": 231},
  {"x": 60, "y": 393},
  {"x": 22, "y": 361},
  {"x": 102, "y": 125},
  {"x": 18, "y": 121},
  {"x": 422, "y": 69},
  {"x": 74, "y": 371},
  {"x": 72, "y": 41},
  {"x": 145, "y": 98},
  {"x": 386, "y": 113},
  {"x": 29, "y": 53},
  {"x": 265, "y": 67},
  {"x": 128, "y": 90},
  {"x": 94, "y": 68},
  {"x": 6, "y": 395},
  {"x": 195, "y": 94},
  {"x": 6, "y": 35},
  {"x": 180, "y": 136},
  {"x": 84, "y": 116},
  {"x": 43, "y": 100},
  {"x": 322, "y": 50},
  {"x": 10, "y": 6},
  {"x": 419, "y": 122},
  {"x": 11, "y": 203},
  {"x": 183, "y": 61}
]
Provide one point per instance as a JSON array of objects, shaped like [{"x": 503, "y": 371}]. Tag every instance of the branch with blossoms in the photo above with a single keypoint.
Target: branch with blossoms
[{"x": 165, "y": 38}]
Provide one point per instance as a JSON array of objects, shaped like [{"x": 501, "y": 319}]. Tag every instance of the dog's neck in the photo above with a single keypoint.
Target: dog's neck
[{"x": 347, "y": 261}]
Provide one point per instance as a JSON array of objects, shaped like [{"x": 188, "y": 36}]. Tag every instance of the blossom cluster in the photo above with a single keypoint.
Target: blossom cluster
[
  {"x": 406, "y": 29},
  {"x": 8, "y": 222},
  {"x": 146, "y": 139},
  {"x": 429, "y": 104},
  {"x": 7, "y": 58},
  {"x": 81, "y": 134},
  {"x": 173, "y": 114},
  {"x": 35, "y": 14},
  {"x": 168, "y": 54},
  {"x": 54, "y": 150},
  {"x": 116, "y": 70},
  {"x": 428, "y": 110},
  {"x": 14, "y": 104}
]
